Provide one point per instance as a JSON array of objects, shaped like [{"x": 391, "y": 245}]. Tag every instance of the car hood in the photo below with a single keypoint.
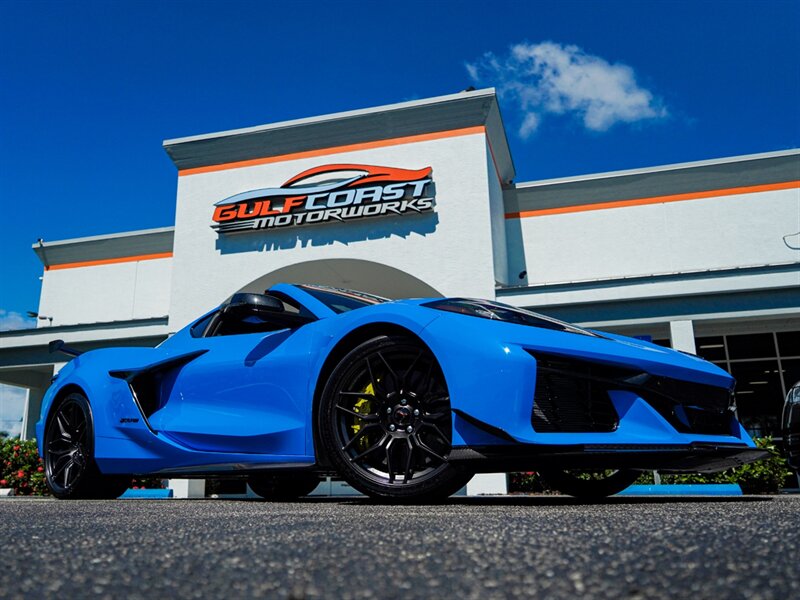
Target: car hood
[{"x": 596, "y": 346}]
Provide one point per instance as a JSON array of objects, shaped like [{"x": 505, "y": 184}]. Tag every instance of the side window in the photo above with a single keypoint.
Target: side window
[
  {"x": 199, "y": 329},
  {"x": 235, "y": 325},
  {"x": 292, "y": 307}
]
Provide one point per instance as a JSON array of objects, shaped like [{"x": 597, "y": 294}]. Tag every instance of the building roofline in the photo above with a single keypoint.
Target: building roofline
[
  {"x": 660, "y": 168},
  {"x": 99, "y": 238},
  {"x": 336, "y": 132},
  {"x": 125, "y": 246},
  {"x": 485, "y": 92}
]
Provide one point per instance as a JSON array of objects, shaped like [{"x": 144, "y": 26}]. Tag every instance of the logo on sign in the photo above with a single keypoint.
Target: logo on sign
[{"x": 342, "y": 192}]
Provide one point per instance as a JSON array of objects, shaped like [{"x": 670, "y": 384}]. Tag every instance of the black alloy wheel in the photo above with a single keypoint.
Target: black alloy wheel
[
  {"x": 70, "y": 470},
  {"x": 589, "y": 484},
  {"x": 285, "y": 486},
  {"x": 385, "y": 422}
]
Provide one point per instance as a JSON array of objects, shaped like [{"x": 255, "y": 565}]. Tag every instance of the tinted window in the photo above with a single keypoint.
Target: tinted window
[
  {"x": 751, "y": 345},
  {"x": 711, "y": 348},
  {"x": 290, "y": 305},
  {"x": 233, "y": 325},
  {"x": 791, "y": 372},
  {"x": 789, "y": 343},
  {"x": 341, "y": 301},
  {"x": 199, "y": 328},
  {"x": 759, "y": 395}
]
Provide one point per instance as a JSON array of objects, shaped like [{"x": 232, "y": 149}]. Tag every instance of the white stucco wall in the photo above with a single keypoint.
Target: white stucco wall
[
  {"x": 712, "y": 233},
  {"x": 450, "y": 249},
  {"x": 112, "y": 292},
  {"x": 498, "y": 225}
]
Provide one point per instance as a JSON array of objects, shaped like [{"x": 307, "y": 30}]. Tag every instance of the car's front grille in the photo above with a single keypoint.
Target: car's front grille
[
  {"x": 690, "y": 407},
  {"x": 573, "y": 396}
]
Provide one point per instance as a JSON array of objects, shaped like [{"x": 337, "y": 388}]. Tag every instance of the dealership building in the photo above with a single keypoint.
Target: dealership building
[{"x": 703, "y": 256}]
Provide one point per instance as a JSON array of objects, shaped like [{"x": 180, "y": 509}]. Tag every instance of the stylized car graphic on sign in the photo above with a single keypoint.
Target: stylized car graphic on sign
[{"x": 341, "y": 191}]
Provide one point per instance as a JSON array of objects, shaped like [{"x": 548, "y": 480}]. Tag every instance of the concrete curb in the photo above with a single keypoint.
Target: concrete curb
[
  {"x": 687, "y": 489},
  {"x": 130, "y": 493}
]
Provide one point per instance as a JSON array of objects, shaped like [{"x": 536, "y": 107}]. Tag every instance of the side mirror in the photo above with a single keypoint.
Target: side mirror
[{"x": 244, "y": 304}]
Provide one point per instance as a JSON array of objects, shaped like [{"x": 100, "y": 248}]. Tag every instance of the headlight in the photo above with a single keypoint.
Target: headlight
[{"x": 504, "y": 313}]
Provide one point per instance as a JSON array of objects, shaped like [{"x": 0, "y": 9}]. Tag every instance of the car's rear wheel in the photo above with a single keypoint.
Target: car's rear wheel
[
  {"x": 69, "y": 465},
  {"x": 589, "y": 484},
  {"x": 283, "y": 487},
  {"x": 385, "y": 423}
]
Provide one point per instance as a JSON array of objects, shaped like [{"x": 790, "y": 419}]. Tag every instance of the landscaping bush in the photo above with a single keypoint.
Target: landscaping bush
[
  {"x": 148, "y": 483},
  {"x": 762, "y": 477},
  {"x": 525, "y": 483},
  {"x": 21, "y": 468}
]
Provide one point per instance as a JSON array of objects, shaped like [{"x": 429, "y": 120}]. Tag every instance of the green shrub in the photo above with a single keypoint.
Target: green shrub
[
  {"x": 765, "y": 476},
  {"x": 762, "y": 477},
  {"x": 525, "y": 483},
  {"x": 21, "y": 468}
]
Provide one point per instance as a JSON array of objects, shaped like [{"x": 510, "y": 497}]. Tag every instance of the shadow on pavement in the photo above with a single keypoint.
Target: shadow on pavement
[{"x": 522, "y": 500}]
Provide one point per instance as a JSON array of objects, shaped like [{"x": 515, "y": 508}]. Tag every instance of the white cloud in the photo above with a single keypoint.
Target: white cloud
[
  {"x": 549, "y": 78},
  {"x": 13, "y": 320},
  {"x": 530, "y": 123}
]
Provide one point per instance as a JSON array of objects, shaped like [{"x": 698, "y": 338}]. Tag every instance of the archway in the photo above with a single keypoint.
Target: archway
[{"x": 361, "y": 275}]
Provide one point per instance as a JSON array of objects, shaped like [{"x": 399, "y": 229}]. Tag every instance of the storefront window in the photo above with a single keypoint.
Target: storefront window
[
  {"x": 765, "y": 366},
  {"x": 711, "y": 348},
  {"x": 752, "y": 345},
  {"x": 789, "y": 343},
  {"x": 759, "y": 395}
]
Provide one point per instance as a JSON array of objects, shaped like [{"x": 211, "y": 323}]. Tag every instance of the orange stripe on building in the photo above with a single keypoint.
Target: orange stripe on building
[
  {"x": 108, "y": 261},
  {"x": 786, "y": 185},
  {"x": 423, "y": 137},
  {"x": 751, "y": 189}
]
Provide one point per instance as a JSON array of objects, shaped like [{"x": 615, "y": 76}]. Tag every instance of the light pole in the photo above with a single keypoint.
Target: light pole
[{"x": 35, "y": 315}]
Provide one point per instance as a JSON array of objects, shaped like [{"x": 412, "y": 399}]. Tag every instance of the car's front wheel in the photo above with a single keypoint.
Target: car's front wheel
[
  {"x": 589, "y": 484},
  {"x": 384, "y": 421},
  {"x": 69, "y": 465}
]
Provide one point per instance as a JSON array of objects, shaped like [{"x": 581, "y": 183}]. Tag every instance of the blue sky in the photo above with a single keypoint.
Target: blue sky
[{"x": 88, "y": 90}]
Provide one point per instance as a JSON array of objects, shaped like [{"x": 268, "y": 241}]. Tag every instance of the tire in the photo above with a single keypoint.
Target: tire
[
  {"x": 70, "y": 469},
  {"x": 384, "y": 422},
  {"x": 593, "y": 486},
  {"x": 284, "y": 487}
]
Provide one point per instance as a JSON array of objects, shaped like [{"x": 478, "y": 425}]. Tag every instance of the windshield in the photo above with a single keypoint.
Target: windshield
[{"x": 339, "y": 300}]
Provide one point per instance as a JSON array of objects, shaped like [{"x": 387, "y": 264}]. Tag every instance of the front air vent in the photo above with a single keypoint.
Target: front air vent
[{"x": 572, "y": 396}]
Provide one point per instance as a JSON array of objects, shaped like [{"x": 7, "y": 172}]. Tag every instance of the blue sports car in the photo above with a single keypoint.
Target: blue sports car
[{"x": 405, "y": 400}]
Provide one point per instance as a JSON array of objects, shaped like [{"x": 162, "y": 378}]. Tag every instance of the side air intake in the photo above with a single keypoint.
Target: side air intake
[{"x": 572, "y": 396}]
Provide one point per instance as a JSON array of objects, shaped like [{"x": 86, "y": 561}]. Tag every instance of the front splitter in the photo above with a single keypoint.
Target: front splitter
[{"x": 671, "y": 458}]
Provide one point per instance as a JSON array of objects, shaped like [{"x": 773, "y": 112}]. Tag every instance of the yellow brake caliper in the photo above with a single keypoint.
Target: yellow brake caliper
[{"x": 363, "y": 407}]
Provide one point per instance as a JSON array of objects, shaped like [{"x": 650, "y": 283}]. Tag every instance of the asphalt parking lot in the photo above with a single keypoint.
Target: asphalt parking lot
[{"x": 496, "y": 547}]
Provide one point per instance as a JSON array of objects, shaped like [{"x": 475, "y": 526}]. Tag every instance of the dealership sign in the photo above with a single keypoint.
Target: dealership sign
[{"x": 328, "y": 193}]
